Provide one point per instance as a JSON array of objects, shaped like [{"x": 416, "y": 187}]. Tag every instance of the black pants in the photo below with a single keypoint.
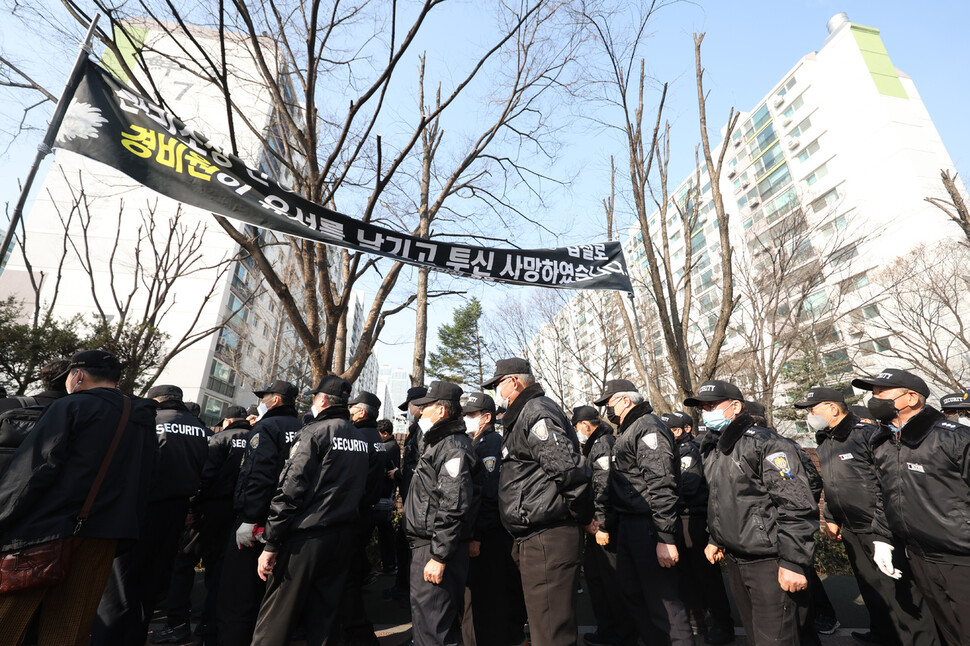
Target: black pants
[
  {"x": 385, "y": 538},
  {"x": 769, "y": 614},
  {"x": 352, "y": 622},
  {"x": 897, "y": 612},
  {"x": 648, "y": 590},
  {"x": 946, "y": 588},
  {"x": 138, "y": 575},
  {"x": 240, "y": 592},
  {"x": 403, "y": 553},
  {"x": 306, "y": 585},
  {"x": 613, "y": 622},
  {"x": 701, "y": 583},
  {"x": 487, "y": 615},
  {"x": 549, "y": 566},
  {"x": 435, "y": 608}
]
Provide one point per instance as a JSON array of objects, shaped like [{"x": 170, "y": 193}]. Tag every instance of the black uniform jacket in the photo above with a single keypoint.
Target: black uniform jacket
[
  {"x": 693, "y": 485},
  {"x": 44, "y": 487},
  {"x": 377, "y": 466},
  {"x": 268, "y": 446},
  {"x": 645, "y": 471},
  {"x": 760, "y": 504},
  {"x": 925, "y": 480},
  {"x": 393, "y": 452},
  {"x": 409, "y": 459},
  {"x": 488, "y": 450},
  {"x": 221, "y": 469},
  {"x": 544, "y": 481},
  {"x": 445, "y": 491},
  {"x": 853, "y": 499},
  {"x": 40, "y": 399},
  {"x": 598, "y": 451},
  {"x": 323, "y": 481},
  {"x": 183, "y": 444}
]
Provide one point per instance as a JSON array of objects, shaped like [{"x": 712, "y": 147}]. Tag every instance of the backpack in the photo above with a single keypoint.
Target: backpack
[{"x": 15, "y": 425}]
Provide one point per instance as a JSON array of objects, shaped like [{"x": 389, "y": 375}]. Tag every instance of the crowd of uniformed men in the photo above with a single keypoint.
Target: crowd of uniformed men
[{"x": 504, "y": 501}]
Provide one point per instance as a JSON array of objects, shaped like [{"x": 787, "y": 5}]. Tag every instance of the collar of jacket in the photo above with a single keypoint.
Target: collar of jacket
[
  {"x": 332, "y": 412},
  {"x": 279, "y": 411},
  {"x": 239, "y": 423},
  {"x": 733, "y": 433},
  {"x": 488, "y": 430},
  {"x": 919, "y": 426},
  {"x": 840, "y": 432},
  {"x": 171, "y": 404},
  {"x": 684, "y": 438},
  {"x": 366, "y": 423},
  {"x": 512, "y": 412},
  {"x": 601, "y": 430},
  {"x": 638, "y": 411},
  {"x": 443, "y": 429}
]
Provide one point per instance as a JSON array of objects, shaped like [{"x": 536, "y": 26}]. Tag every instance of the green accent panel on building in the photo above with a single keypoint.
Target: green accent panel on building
[
  {"x": 129, "y": 42},
  {"x": 877, "y": 60}
]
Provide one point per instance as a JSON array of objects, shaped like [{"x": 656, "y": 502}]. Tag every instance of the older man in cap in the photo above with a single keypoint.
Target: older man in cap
[
  {"x": 47, "y": 481},
  {"x": 854, "y": 514},
  {"x": 440, "y": 515},
  {"x": 268, "y": 446},
  {"x": 545, "y": 498},
  {"x": 140, "y": 574},
  {"x": 643, "y": 491},
  {"x": 762, "y": 516},
  {"x": 923, "y": 464},
  {"x": 310, "y": 527},
  {"x": 956, "y": 407}
]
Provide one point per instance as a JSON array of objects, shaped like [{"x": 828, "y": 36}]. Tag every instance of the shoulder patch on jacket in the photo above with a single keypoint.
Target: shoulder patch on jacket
[
  {"x": 293, "y": 448},
  {"x": 779, "y": 461},
  {"x": 685, "y": 462},
  {"x": 540, "y": 430},
  {"x": 254, "y": 441},
  {"x": 946, "y": 424},
  {"x": 505, "y": 452},
  {"x": 489, "y": 463},
  {"x": 603, "y": 462},
  {"x": 650, "y": 439},
  {"x": 750, "y": 431},
  {"x": 452, "y": 466}
]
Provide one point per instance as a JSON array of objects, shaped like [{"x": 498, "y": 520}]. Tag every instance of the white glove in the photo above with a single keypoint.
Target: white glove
[
  {"x": 245, "y": 535},
  {"x": 883, "y": 558}
]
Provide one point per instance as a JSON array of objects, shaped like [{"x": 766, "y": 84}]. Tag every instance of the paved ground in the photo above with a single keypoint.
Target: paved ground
[{"x": 392, "y": 617}]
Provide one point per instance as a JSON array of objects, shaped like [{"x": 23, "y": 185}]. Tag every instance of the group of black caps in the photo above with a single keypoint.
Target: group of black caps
[{"x": 498, "y": 524}]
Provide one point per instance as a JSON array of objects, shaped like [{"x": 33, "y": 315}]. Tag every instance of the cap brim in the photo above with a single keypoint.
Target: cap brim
[
  {"x": 493, "y": 382},
  {"x": 263, "y": 393},
  {"x": 421, "y": 401},
  {"x": 807, "y": 404},
  {"x": 602, "y": 400},
  {"x": 404, "y": 406},
  {"x": 868, "y": 384}
]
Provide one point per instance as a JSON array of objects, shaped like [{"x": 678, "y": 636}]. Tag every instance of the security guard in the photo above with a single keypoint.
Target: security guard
[
  {"x": 761, "y": 516},
  {"x": 956, "y": 407},
  {"x": 923, "y": 464},
  {"x": 310, "y": 528},
  {"x": 268, "y": 446},
  {"x": 402, "y": 476},
  {"x": 353, "y": 623},
  {"x": 613, "y": 624},
  {"x": 486, "y": 619},
  {"x": 545, "y": 498},
  {"x": 440, "y": 516},
  {"x": 140, "y": 574},
  {"x": 854, "y": 514},
  {"x": 701, "y": 583},
  {"x": 643, "y": 491}
]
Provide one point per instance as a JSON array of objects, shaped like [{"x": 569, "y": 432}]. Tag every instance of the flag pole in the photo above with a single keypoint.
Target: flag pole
[{"x": 45, "y": 147}]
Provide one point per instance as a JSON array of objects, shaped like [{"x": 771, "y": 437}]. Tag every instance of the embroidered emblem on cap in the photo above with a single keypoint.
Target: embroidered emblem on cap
[
  {"x": 603, "y": 463},
  {"x": 452, "y": 466},
  {"x": 489, "y": 463},
  {"x": 779, "y": 460},
  {"x": 650, "y": 439},
  {"x": 540, "y": 431}
]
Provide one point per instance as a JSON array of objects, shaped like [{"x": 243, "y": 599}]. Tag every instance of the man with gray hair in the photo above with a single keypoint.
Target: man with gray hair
[
  {"x": 643, "y": 491},
  {"x": 545, "y": 498}
]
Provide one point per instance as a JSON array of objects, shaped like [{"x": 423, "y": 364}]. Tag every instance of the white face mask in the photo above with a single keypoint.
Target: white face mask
[
  {"x": 410, "y": 418},
  {"x": 500, "y": 401},
  {"x": 425, "y": 424},
  {"x": 261, "y": 410},
  {"x": 471, "y": 425},
  {"x": 817, "y": 422},
  {"x": 582, "y": 437},
  {"x": 314, "y": 411}
]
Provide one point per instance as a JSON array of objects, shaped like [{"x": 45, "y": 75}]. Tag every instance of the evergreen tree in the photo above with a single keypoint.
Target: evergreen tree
[{"x": 460, "y": 358}]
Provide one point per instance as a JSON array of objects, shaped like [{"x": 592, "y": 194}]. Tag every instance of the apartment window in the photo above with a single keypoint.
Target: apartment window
[
  {"x": 870, "y": 311},
  {"x": 816, "y": 303},
  {"x": 228, "y": 341},
  {"x": 824, "y": 202},
  {"x": 787, "y": 86},
  {"x": 855, "y": 282},
  {"x": 882, "y": 344},
  {"x": 793, "y": 108},
  {"x": 212, "y": 410},
  {"x": 845, "y": 254},
  {"x": 768, "y": 160},
  {"x": 774, "y": 182},
  {"x": 818, "y": 174},
  {"x": 810, "y": 150},
  {"x": 802, "y": 127}
]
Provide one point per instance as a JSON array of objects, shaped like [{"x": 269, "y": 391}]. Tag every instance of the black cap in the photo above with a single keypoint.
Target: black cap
[
  {"x": 615, "y": 386},
  {"x": 585, "y": 414},
  {"x": 860, "y": 411},
  {"x": 506, "y": 367},
  {"x": 414, "y": 392},
  {"x": 754, "y": 408},
  {"x": 440, "y": 391},
  {"x": 479, "y": 402},
  {"x": 714, "y": 390},
  {"x": 92, "y": 359},
  {"x": 955, "y": 401},
  {"x": 818, "y": 395},
  {"x": 894, "y": 378},
  {"x": 234, "y": 412},
  {"x": 164, "y": 390},
  {"x": 677, "y": 420},
  {"x": 279, "y": 387},
  {"x": 332, "y": 385},
  {"x": 366, "y": 398}
]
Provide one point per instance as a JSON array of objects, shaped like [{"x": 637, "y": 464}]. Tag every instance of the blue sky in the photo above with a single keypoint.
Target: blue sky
[{"x": 749, "y": 45}]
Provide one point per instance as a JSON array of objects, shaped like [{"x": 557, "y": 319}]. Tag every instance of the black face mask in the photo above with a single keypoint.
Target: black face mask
[
  {"x": 883, "y": 410},
  {"x": 612, "y": 416}
]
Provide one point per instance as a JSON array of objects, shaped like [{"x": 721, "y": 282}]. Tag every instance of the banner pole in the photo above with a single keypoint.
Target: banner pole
[{"x": 45, "y": 147}]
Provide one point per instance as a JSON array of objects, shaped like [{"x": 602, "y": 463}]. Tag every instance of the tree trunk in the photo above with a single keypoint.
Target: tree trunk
[{"x": 420, "y": 329}]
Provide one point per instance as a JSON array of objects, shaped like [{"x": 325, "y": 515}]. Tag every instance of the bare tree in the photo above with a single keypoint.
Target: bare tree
[{"x": 956, "y": 207}]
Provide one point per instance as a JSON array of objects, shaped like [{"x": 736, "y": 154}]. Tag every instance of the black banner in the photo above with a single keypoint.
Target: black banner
[{"x": 108, "y": 122}]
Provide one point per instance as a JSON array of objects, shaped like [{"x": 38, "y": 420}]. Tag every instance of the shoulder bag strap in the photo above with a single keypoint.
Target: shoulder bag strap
[{"x": 103, "y": 471}]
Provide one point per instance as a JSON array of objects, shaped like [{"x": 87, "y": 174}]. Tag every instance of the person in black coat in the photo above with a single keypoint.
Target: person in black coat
[
  {"x": 46, "y": 483},
  {"x": 440, "y": 516},
  {"x": 52, "y": 376},
  {"x": 383, "y": 510}
]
